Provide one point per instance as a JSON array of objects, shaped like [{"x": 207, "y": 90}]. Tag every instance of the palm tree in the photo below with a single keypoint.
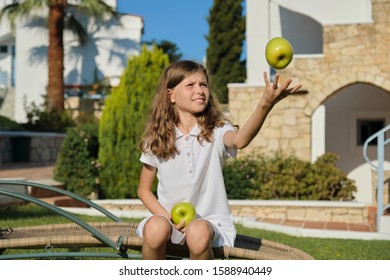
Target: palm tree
[{"x": 61, "y": 15}]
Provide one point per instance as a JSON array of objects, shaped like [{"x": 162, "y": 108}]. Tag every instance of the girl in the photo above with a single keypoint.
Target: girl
[{"x": 186, "y": 140}]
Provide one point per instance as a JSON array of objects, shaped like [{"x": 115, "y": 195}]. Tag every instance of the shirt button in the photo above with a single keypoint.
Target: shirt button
[
  {"x": 186, "y": 138},
  {"x": 188, "y": 154}
]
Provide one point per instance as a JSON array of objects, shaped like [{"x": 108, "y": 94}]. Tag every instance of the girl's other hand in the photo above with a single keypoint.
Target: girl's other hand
[{"x": 180, "y": 226}]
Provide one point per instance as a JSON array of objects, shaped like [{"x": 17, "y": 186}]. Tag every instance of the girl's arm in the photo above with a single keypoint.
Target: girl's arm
[
  {"x": 145, "y": 193},
  {"x": 273, "y": 93}
]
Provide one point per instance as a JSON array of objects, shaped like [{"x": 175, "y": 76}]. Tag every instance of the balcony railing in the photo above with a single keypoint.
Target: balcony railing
[
  {"x": 87, "y": 91},
  {"x": 382, "y": 141}
]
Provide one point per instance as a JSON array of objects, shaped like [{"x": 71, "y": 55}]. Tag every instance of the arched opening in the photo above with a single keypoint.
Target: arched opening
[{"x": 346, "y": 119}]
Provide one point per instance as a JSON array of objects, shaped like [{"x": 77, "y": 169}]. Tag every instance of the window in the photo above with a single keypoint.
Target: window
[
  {"x": 3, "y": 49},
  {"x": 303, "y": 32},
  {"x": 366, "y": 127}
]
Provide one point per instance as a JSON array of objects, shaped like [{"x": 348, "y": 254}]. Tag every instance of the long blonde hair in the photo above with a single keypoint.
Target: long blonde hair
[{"x": 159, "y": 136}]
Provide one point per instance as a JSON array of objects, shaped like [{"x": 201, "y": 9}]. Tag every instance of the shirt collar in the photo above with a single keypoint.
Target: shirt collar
[{"x": 194, "y": 132}]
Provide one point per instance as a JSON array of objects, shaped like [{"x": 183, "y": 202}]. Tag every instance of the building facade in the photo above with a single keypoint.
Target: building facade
[
  {"x": 342, "y": 59},
  {"x": 23, "y": 56}
]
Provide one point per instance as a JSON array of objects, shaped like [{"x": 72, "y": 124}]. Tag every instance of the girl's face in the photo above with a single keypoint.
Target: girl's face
[{"x": 191, "y": 95}]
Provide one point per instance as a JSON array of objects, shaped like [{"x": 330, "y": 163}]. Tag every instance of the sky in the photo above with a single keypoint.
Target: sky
[{"x": 182, "y": 22}]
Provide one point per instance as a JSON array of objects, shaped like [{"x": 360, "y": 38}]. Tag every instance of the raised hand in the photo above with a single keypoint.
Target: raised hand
[{"x": 274, "y": 92}]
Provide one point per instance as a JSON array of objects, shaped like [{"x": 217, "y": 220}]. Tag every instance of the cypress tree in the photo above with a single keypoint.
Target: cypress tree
[
  {"x": 122, "y": 122},
  {"x": 225, "y": 43}
]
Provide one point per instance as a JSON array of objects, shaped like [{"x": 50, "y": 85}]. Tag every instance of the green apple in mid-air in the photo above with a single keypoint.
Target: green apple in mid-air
[
  {"x": 279, "y": 53},
  {"x": 183, "y": 211}
]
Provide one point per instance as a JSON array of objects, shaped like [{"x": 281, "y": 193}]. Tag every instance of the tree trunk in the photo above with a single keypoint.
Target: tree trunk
[{"x": 55, "y": 88}]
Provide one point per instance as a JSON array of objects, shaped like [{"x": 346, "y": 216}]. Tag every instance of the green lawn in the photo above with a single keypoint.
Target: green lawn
[
  {"x": 319, "y": 248},
  {"x": 328, "y": 248}
]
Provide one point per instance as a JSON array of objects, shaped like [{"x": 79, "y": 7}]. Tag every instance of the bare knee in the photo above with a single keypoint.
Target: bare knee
[
  {"x": 198, "y": 236},
  {"x": 156, "y": 231}
]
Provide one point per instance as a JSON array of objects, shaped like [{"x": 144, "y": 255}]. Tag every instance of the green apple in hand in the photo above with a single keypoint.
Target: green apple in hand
[
  {"x": 183, "y": 211},
  {"x": 279, "y": 53}
]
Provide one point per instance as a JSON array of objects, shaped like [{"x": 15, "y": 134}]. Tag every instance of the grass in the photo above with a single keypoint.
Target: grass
[
  {"x": 319, "y": 248},
  {"x": 328, "y": 248}
]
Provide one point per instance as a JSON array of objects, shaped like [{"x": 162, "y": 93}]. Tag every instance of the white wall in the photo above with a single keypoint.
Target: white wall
[
  {"x": 5, "y": 2},
  {"x": 331, "y": 11},
  {"x": 257, "y": 34},
  {"x": 107, "y": 51},
  {"x": 318, "y": 133},
  {"x": 6, "y": 38},
  {"x": 30, "y": 67},
  {"x": 112, "y": 3}
]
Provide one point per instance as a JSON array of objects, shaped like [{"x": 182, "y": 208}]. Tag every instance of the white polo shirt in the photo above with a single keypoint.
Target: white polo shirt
[{"x": 195, "y": 176}]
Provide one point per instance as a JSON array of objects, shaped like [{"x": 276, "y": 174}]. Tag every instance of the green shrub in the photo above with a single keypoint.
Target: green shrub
[
  {"x": 77, "y": 165},
  {"x": 283, "y": 177},
  {"x": 122, "y": 123},
  {"x": 330, "y": 181},
  {"x": 241, "y": 177},
  {"x": 8, "y": 124},
  {"x": 40, "y": 119},
  {"x": 287, "y": 178}
]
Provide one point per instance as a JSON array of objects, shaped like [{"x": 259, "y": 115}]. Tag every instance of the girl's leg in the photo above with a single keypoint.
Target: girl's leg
[
  {"x": 156, "y": 233},
  {"x": 198, "y": 238}
]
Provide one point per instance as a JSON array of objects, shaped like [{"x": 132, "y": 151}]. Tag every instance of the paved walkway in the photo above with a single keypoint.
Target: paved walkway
[
  {"x": 30, "y": 171},
  {"x": 26, "y": 171}
]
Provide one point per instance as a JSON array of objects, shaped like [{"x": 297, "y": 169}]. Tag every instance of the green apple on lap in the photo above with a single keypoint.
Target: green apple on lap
[{"x": 183, "y": 211}]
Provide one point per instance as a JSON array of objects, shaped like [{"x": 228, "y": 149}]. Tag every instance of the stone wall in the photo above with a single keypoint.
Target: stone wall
[
  {"x": 351, "y": 53},
  {"x": 84, "y": 106},
  {"x": 315, "y": 211},
  {"x": 386, "y": 186},
  {"x": 286, "y": 129},
  {"x": 42, "y": 147}
]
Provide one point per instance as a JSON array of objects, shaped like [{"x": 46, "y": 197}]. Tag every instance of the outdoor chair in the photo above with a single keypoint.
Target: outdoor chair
[{"x": 118, "y": 235}]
